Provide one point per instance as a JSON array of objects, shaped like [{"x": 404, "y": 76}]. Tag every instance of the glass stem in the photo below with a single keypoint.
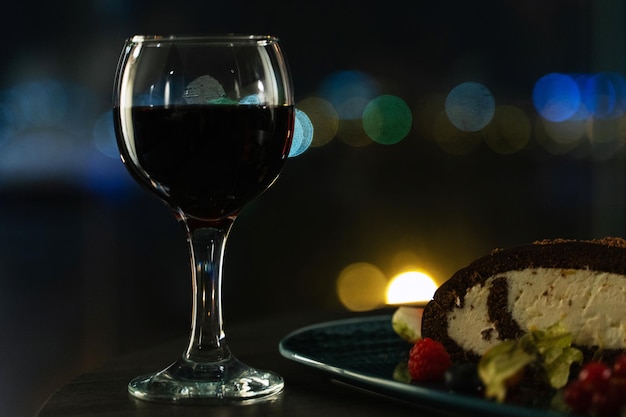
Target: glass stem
[{"x": 207, "y": 243}]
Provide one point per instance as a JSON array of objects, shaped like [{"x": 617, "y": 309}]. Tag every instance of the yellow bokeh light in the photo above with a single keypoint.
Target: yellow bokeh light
[
  {"x": 605, "y": 130},
  {"x": 411, "y": 287},
  {"x": 323, "y": 117},
  {"x": 361, "y": 287},
  {"x": 568, "y": 134},
  {"x": 551, "y": 136},
  {"x": 509, "y": 131},
  {"x": 352, "y": 134}
]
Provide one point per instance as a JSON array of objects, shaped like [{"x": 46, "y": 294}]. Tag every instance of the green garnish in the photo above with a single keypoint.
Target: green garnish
[
  {"x": 551, "y": 349},
  {"x": 500, "y": 364},
  {"x": 554, "y": 346}
]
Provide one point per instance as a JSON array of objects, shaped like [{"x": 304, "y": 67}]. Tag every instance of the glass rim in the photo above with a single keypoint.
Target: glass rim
[{"x": 224, "y": 39}]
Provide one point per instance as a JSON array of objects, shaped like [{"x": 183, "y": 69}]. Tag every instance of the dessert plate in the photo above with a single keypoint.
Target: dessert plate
[{"x": 365, "y": 352}]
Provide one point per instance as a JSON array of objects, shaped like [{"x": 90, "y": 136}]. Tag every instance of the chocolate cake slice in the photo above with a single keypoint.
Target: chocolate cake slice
[{"x": 581, "y": 284}]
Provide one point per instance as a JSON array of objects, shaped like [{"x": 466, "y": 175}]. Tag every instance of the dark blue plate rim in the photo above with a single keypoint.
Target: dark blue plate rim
[{"x": 361, "y": 351}]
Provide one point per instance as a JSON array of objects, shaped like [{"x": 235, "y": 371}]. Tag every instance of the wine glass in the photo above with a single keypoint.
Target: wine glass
[{"x": 205, "y": 123}]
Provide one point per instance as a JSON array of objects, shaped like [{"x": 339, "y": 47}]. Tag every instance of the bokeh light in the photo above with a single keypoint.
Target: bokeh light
[
  {"x": 361, "y": 287},
  {"x": 564, "y": 136},
  {"x": 39, "y": 103},
  {"x": 62, "y": 121},
  {"x": 349, "y": 92},
  {"x": 470, "y": 106},
  {"x": 509, "y": 131},
  {"x": 603, "y": 94},
  {"x": 545, "y": 133},
  {"x": 556, "y": 97},
  {"x": 323, "y": 117},
  {"x": 606, "y": 132},
  {"x": 387, "y": 119},
  {"x": 581, "y": 109},
  {"x": 7, "y": 123},
  {"x": 104, "y": 135},
  {"x": 619, "y": 85},
  {"x": 410, "y": 287},
  {"x": 302, "y": 134},
  {"x": 351, "y": 132}
]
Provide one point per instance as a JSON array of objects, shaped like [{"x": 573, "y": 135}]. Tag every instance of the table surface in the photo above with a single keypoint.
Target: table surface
[{"x": 308, "y": 391}]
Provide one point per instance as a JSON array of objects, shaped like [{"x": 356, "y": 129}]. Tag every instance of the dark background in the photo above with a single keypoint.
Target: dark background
[{"x": 92, "y": 266}]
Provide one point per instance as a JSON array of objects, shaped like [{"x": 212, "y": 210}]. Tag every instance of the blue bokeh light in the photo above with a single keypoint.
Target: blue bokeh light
[
  {"x": 556, "y": 97},
  {"x": 349, "y": 92},
  {"x": 619, "y": 84},
  {"x": 470, "y": 106},
  {"x": 55, "y": 131},
  {"x": 601, "y": 94},
  {"x": 7, "y": 123},
  {"x": 104, "y": 135},
  {"x": 38, "y": 103},
  {"x": 302, "y": 134}
]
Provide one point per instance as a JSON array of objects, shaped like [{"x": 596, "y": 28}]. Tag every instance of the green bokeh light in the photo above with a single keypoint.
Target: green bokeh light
[{"x": 387, "y": 119}]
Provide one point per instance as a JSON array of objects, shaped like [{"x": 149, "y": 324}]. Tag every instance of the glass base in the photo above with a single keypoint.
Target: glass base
[{"x": 222, "y": 382}]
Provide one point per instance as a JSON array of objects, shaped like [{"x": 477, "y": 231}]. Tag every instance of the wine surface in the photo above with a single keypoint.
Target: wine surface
[{"x": 206, "y": 160}]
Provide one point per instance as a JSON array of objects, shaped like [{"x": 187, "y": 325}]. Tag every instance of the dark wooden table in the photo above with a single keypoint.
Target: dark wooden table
[{"x": 308, "y": 392}]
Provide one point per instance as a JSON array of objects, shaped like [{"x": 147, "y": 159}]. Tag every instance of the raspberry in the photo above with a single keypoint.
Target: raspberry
[
  {"x": 428, "y": 360},
  {"x": 600, "y": 390},
  {"x": 609, "y": 402},
  {"x": 596, "y": 375},
  {"x": 578, "y": 396},
  {"x": 619, "y": 366}
]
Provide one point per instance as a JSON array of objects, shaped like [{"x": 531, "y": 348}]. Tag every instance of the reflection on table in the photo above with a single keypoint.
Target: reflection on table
[{"x": 308, "y": 392}]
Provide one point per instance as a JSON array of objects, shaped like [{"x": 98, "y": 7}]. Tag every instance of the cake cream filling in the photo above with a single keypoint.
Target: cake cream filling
[{"x": 590, "y": 304}]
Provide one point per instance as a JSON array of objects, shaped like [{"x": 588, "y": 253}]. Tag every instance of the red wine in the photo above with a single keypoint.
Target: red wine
[{"x": 206, "y": 160}]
